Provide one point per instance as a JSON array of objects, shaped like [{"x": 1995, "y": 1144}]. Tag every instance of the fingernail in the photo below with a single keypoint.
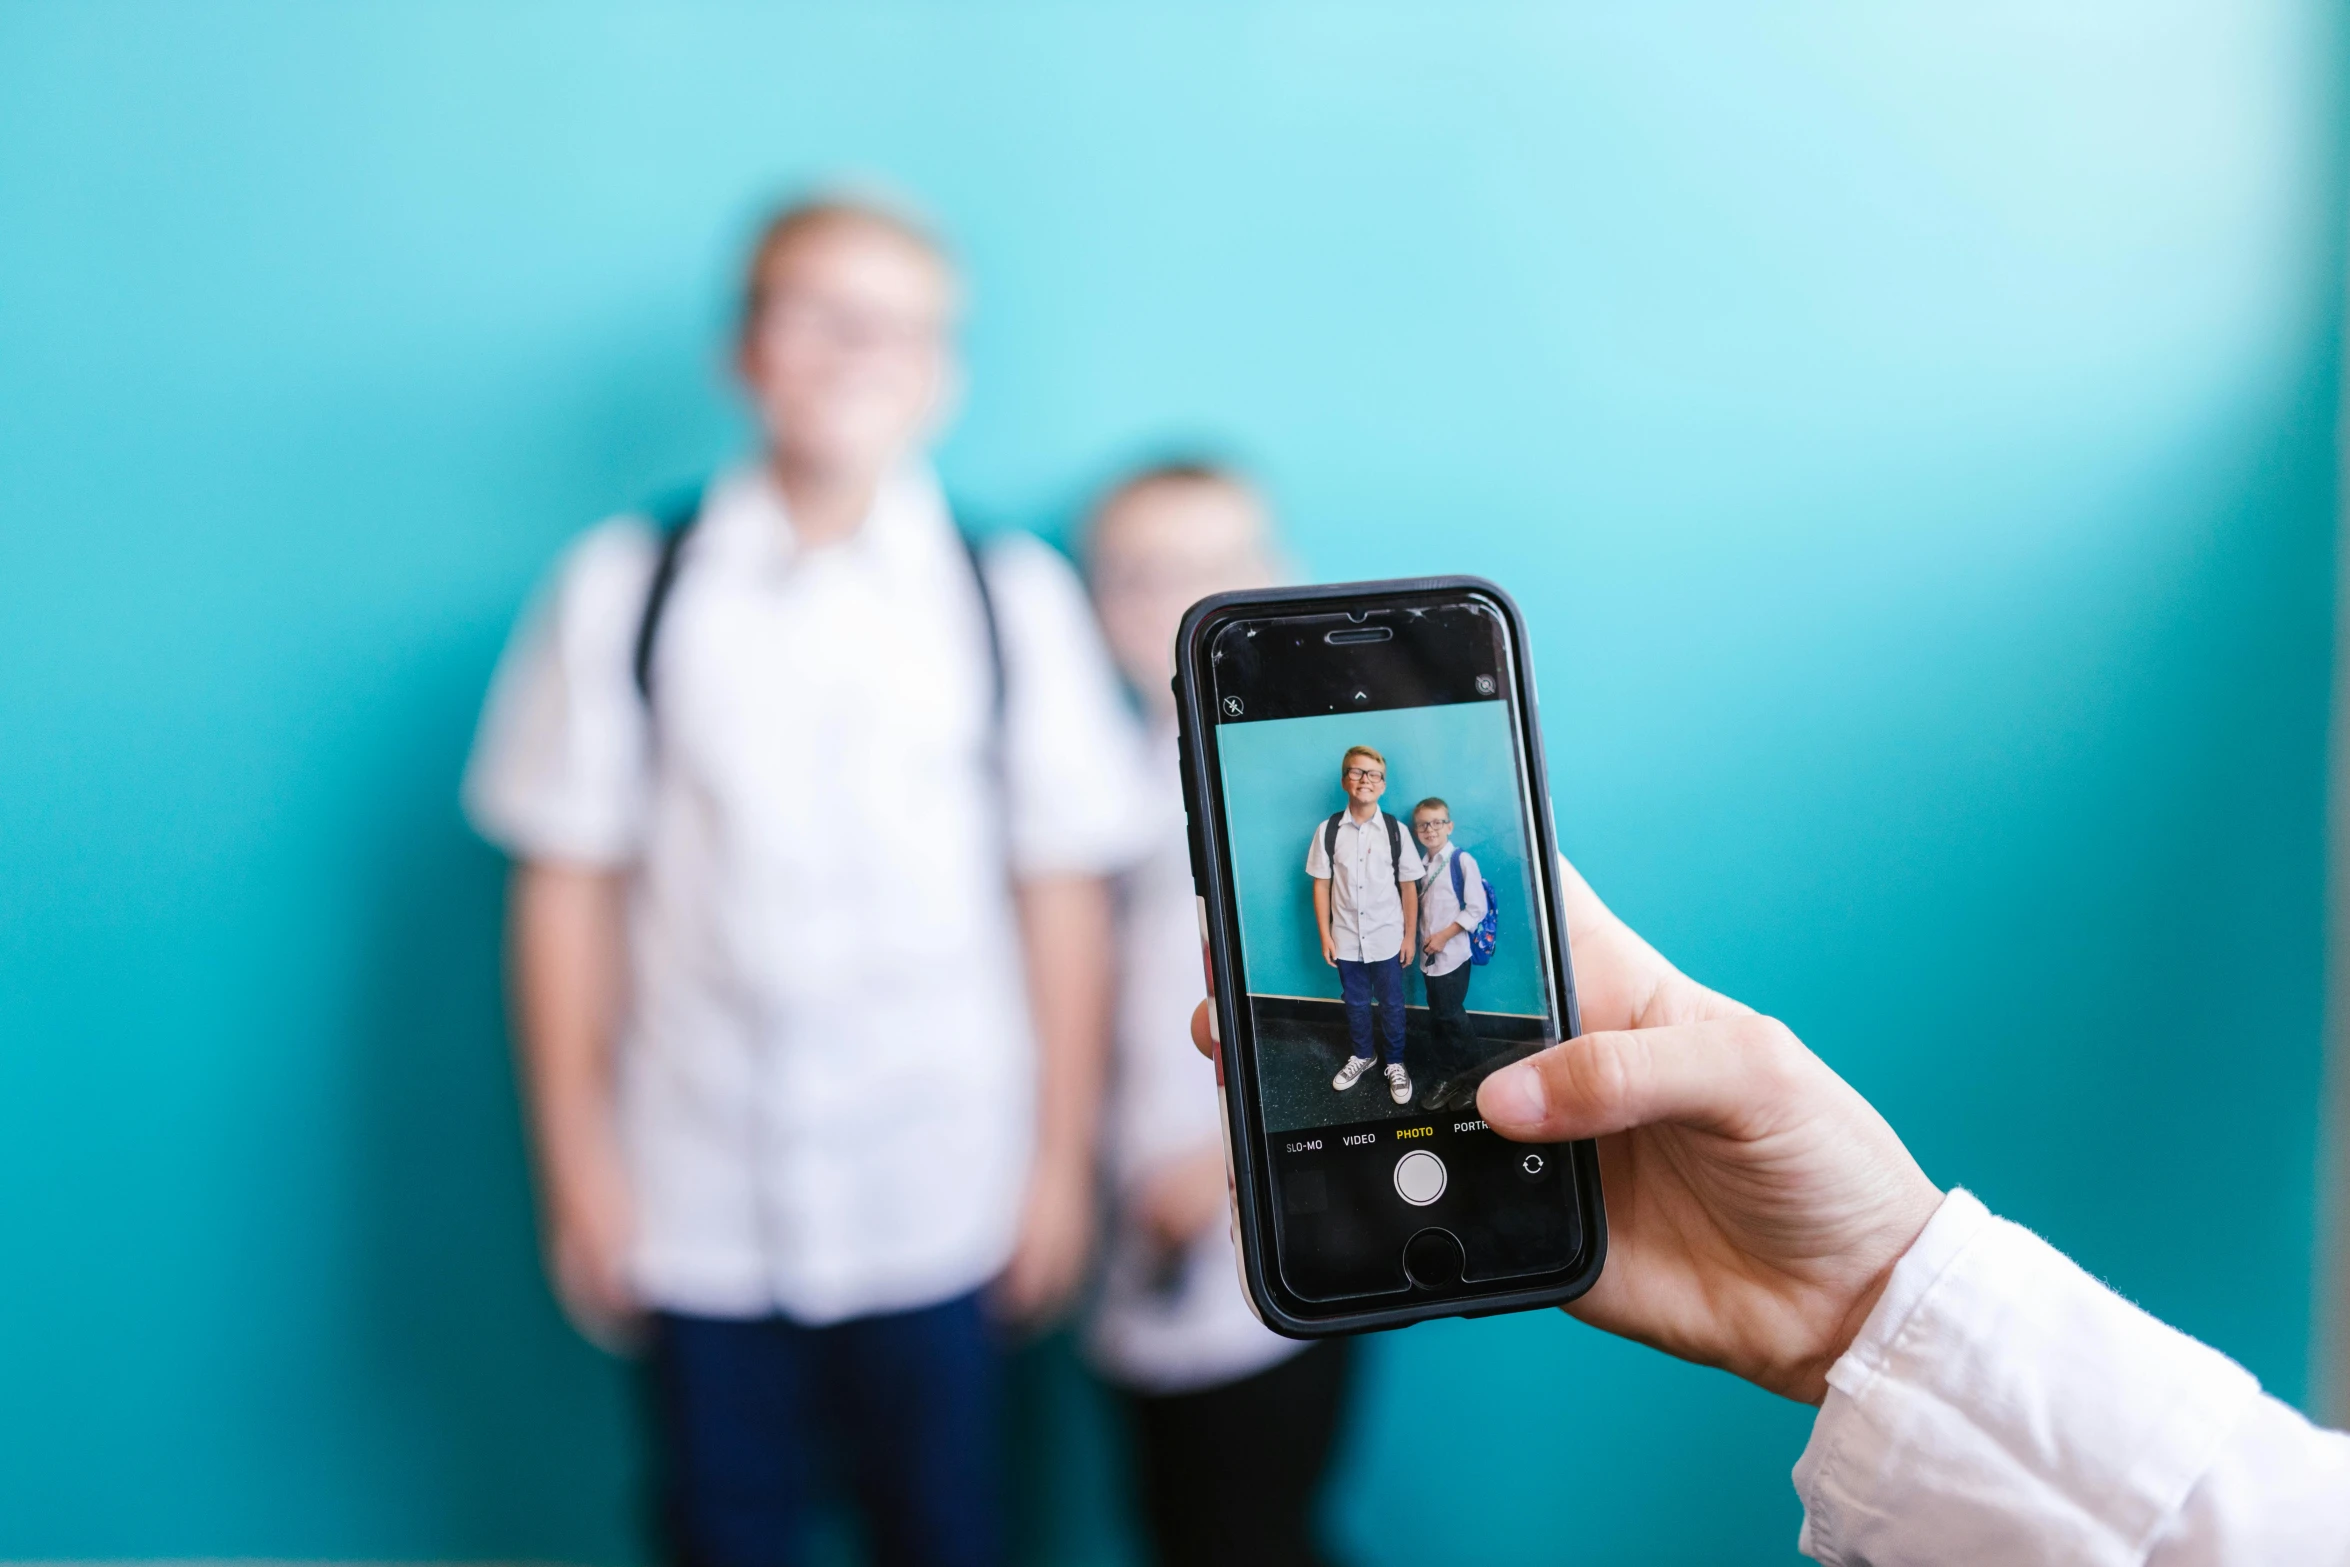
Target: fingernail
[{"x": 1513, "y": 1096}]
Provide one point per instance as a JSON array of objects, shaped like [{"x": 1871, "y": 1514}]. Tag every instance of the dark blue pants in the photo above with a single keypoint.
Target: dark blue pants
[
  {"x": 910, "y": 1403},
  {"x": 1359, "y": 983}
]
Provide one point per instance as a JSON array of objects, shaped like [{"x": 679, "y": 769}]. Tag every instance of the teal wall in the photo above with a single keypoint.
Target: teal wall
[
  {"x": 1908, "y": 429},
  {"x": 1281, "y": 784}
]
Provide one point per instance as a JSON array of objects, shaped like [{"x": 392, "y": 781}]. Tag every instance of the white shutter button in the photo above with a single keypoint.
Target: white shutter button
[{"x": 1419, "y": 1177}]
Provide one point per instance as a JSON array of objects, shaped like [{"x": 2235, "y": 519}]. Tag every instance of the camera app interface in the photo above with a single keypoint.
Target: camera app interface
[{"x": 1380, "y": 824}]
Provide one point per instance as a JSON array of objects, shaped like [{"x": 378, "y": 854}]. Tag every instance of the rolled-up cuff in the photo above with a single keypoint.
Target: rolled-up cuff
[{"x": 2001, "y": 1405}]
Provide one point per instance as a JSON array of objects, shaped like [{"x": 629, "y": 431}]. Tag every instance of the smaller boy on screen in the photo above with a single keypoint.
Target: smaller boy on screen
[
  {"x": 1446, "y": 918},
  {"x": 1367, "y": 903}
]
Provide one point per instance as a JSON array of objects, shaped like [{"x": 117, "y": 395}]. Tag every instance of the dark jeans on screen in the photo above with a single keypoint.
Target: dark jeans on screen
[
  {"x": 908, "y": 1404},
  {"x": 1359, "y": 983},
  {"x": 1453, "y": 1047},
  {"x": 1230, "y": 1474}
]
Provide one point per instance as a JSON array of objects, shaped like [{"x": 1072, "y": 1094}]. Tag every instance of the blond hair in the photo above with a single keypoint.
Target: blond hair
[
  {"x": 1354, "y": 751},
  {"x": 1203, "y": 471},
  {"x": 800, "y": 219}
]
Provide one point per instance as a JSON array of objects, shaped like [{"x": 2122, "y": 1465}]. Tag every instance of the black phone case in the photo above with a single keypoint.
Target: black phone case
[{"x": 1244, "y": 1152}]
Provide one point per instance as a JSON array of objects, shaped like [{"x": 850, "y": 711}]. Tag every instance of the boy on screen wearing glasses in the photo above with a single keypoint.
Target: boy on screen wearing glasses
[{"x": 1367, "y": 905}]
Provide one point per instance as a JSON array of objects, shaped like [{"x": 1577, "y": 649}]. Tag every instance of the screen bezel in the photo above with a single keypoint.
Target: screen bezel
[{"x": 1212, "y": 876}]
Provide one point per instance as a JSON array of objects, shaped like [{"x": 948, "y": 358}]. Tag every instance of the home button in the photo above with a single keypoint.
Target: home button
[{"x": 1434, "y": 1258}]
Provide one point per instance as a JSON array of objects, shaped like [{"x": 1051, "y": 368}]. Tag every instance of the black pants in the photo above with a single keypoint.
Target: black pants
[
  {"x": 1454, "y": 1048},
  {"x": 1230, "y": 1474}
]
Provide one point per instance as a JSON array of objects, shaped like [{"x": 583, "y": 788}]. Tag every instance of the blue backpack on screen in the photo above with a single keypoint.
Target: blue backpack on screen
[{"x": 1480, "y": 939}]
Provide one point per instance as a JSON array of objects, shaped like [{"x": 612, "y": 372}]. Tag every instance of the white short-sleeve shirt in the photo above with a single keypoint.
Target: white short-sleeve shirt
[
  {"x": 826, "y": 1080},
  {"x": 1439, "y": 908},
  {"x": 1366, "y": 910}
]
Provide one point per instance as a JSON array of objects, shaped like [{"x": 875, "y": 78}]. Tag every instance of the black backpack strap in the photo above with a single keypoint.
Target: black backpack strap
[
  {"x": 1394, "y": 842},
  {"x": 674, "y": 521},
  {"x": 973, "y": 551}
]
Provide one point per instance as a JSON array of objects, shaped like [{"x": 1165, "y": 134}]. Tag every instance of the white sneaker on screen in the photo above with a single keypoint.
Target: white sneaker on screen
[
  {"x": 1351, "y": 1073},
  {"x": 1399, "y": 1084}
]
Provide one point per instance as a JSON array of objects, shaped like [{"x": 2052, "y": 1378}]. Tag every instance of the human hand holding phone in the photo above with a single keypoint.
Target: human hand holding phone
[{"x": 1756, "y": 1202}]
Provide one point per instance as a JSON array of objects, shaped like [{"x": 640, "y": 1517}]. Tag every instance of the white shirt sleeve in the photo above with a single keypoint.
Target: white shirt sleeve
[
  {"x": 1472, "y": 912},
  {"x": 1072, "y": 747},
  {"x": 2000, "y": 1405},
  {"x": 559, "y": 766}
]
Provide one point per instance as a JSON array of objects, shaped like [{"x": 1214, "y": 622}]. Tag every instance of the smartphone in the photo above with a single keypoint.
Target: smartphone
[{"x": 1376, "y": 865}]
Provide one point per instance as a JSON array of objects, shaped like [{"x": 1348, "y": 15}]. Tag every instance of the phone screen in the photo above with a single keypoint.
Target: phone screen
[{"x": 1379, "y": 822}]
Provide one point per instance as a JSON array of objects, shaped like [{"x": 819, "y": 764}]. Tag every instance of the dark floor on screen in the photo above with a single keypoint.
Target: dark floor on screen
[{"x": 1297, "y": 1059}]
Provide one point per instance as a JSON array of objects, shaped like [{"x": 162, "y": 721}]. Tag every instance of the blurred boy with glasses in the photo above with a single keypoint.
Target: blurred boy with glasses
[{"x": 812, "y": 801}]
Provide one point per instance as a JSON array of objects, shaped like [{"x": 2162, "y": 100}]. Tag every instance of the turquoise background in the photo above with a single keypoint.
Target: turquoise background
[
  {"x": 1281, "y": 784},
  {"x": 1909, "y": 430}
]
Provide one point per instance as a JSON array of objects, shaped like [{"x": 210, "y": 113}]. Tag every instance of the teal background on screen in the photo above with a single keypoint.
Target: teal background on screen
[
  {"x": 1908, "y": 430},
  {"x": 1281, "y": 785}
]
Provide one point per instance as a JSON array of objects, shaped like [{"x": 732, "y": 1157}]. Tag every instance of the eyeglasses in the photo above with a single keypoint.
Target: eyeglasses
[
  {"x": 792, "y": 319},
  {"x": 1353, "y": 774},
  {"x": 1432, "y": 823}
]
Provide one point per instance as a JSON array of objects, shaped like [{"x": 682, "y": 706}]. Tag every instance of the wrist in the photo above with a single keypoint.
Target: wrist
[{"x": 1807, "y": 1380}]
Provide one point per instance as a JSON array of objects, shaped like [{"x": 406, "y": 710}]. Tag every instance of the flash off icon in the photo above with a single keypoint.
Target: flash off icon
[{"x": 1232, "y": 706}]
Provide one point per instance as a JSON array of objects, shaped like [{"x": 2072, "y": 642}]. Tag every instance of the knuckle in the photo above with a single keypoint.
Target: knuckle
[
  {"x": 1773, "y": 1051},
  {"x": 1609, "y": 1069}
]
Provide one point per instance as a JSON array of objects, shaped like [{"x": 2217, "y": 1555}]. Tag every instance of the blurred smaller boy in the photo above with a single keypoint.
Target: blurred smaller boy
[
  {"x": 1233, "y": 1425},
  {"x": 1452, "y": 904}
]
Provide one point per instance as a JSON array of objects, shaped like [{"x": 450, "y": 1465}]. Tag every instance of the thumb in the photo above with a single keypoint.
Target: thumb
[{"x": 1721, "y": 1075}]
